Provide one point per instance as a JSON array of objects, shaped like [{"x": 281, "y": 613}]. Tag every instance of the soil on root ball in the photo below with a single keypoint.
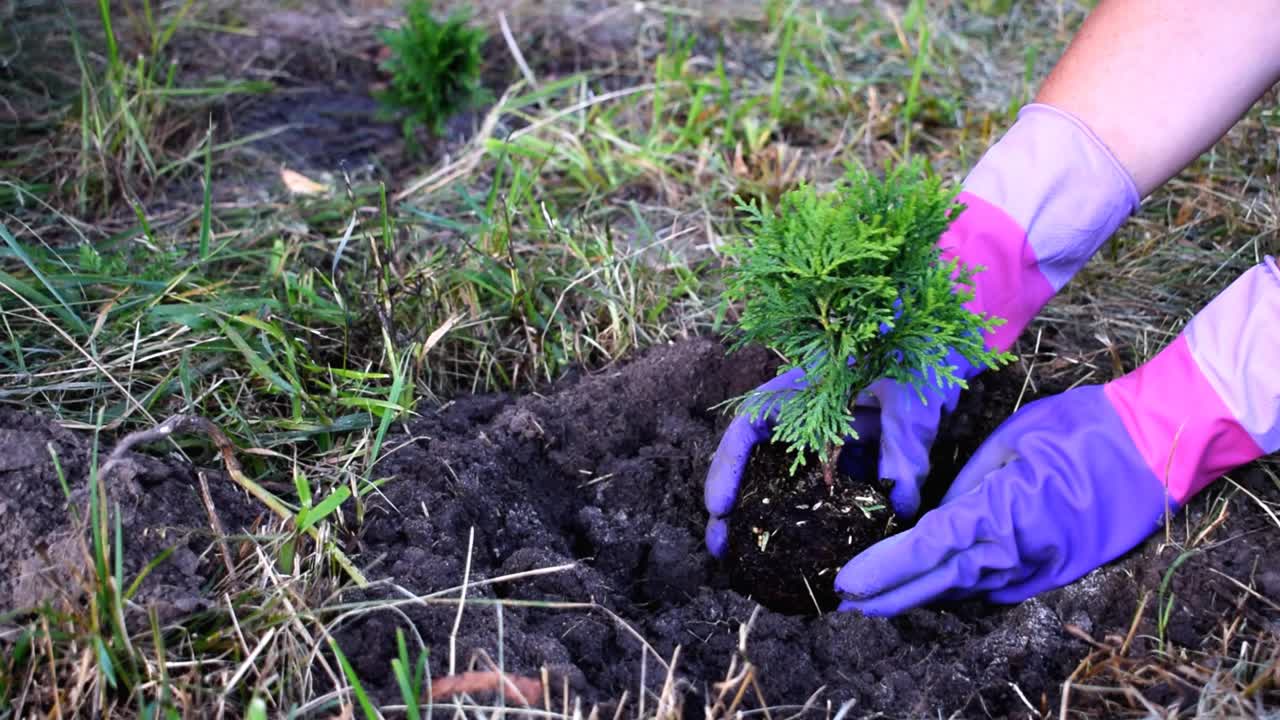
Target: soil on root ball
[{"x": 791, "y": 534}]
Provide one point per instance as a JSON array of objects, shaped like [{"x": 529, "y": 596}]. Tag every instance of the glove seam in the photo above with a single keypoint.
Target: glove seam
[{"x": 1130, "y": 186}]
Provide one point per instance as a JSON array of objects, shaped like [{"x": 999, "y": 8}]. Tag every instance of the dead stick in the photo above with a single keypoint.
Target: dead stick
[
  {"x": 1133, "y": 626},
  {"x": 219, "y": 533},
  {"x": 513, "y": 687}
]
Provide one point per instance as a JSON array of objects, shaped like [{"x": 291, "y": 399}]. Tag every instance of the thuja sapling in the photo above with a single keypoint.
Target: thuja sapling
[{"x": 850, "y": 285}]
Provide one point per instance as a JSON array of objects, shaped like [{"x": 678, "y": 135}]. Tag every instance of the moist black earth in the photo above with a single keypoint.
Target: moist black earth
[
  {"x": 603, "y": 472},
  {"x": 159, "y": 503},
  {"x": 606, "y": 471},
  {"x": 791, "y": 533}
]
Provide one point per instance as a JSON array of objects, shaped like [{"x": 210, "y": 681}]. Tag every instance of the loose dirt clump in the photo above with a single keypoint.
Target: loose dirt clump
[
  {"x": 575, "y": 516},
  {"x": 44, "y": 555},
  {"x": 605, "y": 472}
]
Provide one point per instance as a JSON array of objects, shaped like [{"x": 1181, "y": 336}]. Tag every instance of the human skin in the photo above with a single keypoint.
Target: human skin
[{"x": 1160, "y": 82}]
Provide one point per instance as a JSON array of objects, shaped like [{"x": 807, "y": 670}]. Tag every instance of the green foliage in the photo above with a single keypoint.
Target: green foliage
[
  {"x": 357, "y": 688},
  {"x": 855, "y": 273},
  {"x": 434, "y": 66},
  {"x": 409, "y": 676}
]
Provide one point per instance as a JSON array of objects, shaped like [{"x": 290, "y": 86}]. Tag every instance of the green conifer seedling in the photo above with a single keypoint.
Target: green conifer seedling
[
  {"x": 850, "y": 285},
  {"x": 435, "y": 68}
]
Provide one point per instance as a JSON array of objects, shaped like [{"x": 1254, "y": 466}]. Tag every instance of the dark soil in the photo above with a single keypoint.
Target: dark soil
[
  {"x": 43, "y": 554},
  {"x": 791, "y": 534},
  {"x": 604, "y": 472}
]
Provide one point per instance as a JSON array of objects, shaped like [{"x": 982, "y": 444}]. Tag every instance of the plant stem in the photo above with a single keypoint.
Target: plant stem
[{"x": 829, "y": 465}]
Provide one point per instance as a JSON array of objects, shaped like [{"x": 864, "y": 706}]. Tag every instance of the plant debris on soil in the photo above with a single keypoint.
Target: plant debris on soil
[
  {"x": 603, "y": 474},
  {"x": 790, "y": 535}
]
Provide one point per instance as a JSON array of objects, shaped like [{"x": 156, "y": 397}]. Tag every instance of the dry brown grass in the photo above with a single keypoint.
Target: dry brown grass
[{"x": 607, "y": 231}]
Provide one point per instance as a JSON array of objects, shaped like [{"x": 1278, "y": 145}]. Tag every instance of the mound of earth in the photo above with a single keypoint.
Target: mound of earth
[
  {"x": 605, "y": 471},
  {"x": 601, "y": 477}
]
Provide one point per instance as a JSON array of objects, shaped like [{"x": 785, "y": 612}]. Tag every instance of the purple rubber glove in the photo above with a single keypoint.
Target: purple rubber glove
[
  {"x": 1038, "y": 205},
  {"x": 1073, "y": 481}
]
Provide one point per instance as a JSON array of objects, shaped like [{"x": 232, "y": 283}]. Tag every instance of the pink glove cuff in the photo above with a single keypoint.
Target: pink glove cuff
[
  {"x": 1040, "y": 202},
  {"x": 1008, "y": 284},
  {"x": 1210, "y": 401}
]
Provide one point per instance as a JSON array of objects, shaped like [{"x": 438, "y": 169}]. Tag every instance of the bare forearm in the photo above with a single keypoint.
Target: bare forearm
[{"x": 1160, "y": 81}]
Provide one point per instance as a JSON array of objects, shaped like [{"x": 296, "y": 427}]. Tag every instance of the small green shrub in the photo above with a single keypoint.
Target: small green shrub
[
  {"x": 853, "y": 275},
  {"x": 434, "y": 67}
]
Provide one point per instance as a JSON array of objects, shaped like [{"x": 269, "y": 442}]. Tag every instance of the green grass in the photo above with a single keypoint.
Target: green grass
[
  {"x": 102, "y": 121},
  {"x": 583, "y": 222}
]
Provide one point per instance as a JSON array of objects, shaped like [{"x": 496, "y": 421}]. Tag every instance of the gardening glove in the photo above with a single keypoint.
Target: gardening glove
[
  {"x": 1073, "y": 481},
  {"x": 1038, "y": 205},
  {"x": 744, "y": 432}
]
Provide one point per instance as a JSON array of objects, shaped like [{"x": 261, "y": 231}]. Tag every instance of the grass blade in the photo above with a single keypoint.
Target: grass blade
[
  {"x": 257, "y": 709},
  {"x": 410, "y": 687},
  {"x": 206, "y": 207},
  {"x": 146, "y": 570},
  {"x": 361, "y": 696},
  {"x": 255, "y": 360},
  {"x": 113, "y": 50},
  {"x": 397, "y": 389},
  {"x": 64, "y": 311},
  {"x": 327, "y": 506},
  {"x": 105, "y": 664}
]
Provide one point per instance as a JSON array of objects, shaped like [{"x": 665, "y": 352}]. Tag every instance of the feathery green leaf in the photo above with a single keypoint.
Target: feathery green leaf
[{"x": 850, "y": 285}]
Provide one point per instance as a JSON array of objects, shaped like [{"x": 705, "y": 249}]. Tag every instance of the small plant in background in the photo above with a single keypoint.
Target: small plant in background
[
  {"x": 434, "y": 67},
  {"x": 851, "y": 286}
]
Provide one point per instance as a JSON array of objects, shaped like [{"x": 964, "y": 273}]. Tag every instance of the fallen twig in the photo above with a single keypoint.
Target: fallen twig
[
  {"x": 220, "y": 535},
  {"x": 513, "y": 687}
]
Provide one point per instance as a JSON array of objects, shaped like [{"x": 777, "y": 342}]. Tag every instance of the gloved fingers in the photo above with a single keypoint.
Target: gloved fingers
[
  {"x": 908, "y": 428},
  {"x": 991, "y": 581},
  {"x": 1043, "y": 417},
  {"x": 720, "y": 492},
  {"x": 1016, "y": 593},
  {"x": 717, "y": 537},
  {"x": 994, "y": 454},
  {"x": 1031, "y": 581},
  {"x": 790, "y": 381},
  {"x": 957, "y": 535},
  {"x": 904, "y": 463},
  {"x": 961, "y": 574},
  {"x": 724, "y": 477}
]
